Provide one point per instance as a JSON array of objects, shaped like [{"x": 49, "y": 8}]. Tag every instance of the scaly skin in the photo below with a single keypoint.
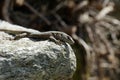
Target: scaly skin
[{"x": 18, "y": 30}]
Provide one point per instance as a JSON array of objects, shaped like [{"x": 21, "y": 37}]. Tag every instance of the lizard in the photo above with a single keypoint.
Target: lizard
[{"x": 21, "y": 32}]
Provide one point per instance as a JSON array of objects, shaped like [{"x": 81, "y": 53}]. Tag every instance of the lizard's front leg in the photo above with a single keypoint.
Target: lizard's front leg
[{"x": 52, "y": 38}]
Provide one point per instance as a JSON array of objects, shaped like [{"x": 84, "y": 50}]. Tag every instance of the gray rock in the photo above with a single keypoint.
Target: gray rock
[{"x": 28, "y": 59}]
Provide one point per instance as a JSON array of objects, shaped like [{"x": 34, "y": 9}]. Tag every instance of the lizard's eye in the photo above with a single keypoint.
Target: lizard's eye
[{"x": 68, "y": 38}]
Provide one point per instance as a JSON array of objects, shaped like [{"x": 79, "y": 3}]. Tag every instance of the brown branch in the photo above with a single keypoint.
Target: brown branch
[
  {"x": 105, "y": 11},
  {"x": 60, "y": 19},
  {"x": 5, "y": 9},
  {"x": 37, "y": 13}
]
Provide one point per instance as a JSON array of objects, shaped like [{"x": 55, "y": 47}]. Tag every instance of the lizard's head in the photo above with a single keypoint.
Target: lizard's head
[{"x": 63, "y": 37}]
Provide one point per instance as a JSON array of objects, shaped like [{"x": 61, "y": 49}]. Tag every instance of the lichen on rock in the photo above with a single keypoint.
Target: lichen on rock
[{"x": 28, "y": 59}]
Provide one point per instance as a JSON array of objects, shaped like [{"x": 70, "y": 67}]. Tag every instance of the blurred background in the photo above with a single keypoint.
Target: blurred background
[{"x": 93, "y": 24}]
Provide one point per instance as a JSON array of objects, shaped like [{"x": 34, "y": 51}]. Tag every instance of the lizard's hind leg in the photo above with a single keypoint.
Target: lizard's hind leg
[{"x": 22, "y": 35}]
